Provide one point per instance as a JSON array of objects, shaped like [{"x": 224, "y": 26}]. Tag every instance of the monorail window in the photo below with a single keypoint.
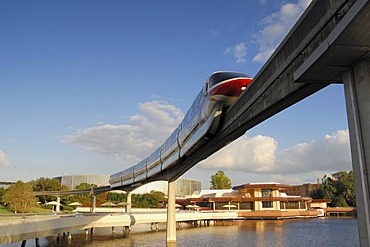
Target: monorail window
[
  {"x": 222, "y": 76},
  {"x": 140, "y": 165},
  {"x": 205, "y": 89},
  {"x": 172, "y": 139}
]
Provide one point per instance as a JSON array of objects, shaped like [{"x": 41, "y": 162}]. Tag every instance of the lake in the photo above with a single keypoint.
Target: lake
[{"x": 298, "y": 232}]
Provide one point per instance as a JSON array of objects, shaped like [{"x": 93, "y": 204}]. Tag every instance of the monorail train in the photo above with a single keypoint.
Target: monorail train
[{"x": 202, "y": 120}]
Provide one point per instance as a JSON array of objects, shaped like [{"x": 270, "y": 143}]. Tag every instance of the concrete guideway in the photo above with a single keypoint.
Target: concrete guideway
[{"x": 14, "y": 229}]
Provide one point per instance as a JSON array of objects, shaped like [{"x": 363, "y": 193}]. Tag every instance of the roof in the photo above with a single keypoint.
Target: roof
[
  {"x": 321, "y": 200},
  {"x": 213, "y": 193},
  {"x": 268, "y": 185}
]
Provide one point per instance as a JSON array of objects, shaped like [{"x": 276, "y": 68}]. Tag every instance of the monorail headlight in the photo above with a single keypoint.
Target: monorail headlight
[{"x": 244, "y": 87}]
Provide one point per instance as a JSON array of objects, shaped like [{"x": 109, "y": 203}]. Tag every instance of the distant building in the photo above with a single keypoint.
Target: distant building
[
  {"x": 253, "y": 200},
  {"x": 301, "y": 190},
  {"x": 184, "y": 187},
  {"x": 252, "y": 196},
  {"x": 71, "y": 181},
  {"x": 6, "y": 184}
]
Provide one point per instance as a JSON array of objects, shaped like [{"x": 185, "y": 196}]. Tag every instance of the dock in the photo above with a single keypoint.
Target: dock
[
  {"x": 277, "y": 214},
  {"x": 340, "y": 211}
]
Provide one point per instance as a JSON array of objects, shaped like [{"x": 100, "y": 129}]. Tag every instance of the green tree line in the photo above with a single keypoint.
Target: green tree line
[
  {"x": 147, "y": 200},
  {"x": 19, "y": 197}
]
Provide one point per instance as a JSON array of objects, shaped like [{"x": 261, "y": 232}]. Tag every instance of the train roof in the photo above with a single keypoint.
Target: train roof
[{"x": 235, "y": 73}]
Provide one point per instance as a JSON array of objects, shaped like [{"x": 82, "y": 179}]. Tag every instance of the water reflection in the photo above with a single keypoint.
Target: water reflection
[{"x": 305, "y": 232}]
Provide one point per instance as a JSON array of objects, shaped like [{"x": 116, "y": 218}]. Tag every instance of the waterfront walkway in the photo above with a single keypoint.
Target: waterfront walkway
[
  {"x": 14, "y": 229},
  {"x": 340, "y": 211}
]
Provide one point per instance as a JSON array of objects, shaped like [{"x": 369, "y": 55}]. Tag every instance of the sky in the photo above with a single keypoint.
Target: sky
[{"x": 93, "y": 87}]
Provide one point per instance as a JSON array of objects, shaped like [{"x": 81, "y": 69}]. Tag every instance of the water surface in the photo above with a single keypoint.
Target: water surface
[{"x": 302, "y": 232}]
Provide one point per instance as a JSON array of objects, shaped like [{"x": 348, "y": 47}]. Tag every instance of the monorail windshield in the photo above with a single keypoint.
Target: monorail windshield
[{"x": 218, "y": 77}]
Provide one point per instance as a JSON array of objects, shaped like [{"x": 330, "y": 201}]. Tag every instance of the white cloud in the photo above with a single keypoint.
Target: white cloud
[
  {"x": 330, "y": 154},
  {"x": 3, "y": 160},
  {"x": 146, "y": 131},
  {"x": 134, "y": 141},
  {"x": 259, "y": 155},
  {"x": 262, "y": 56},
  {"x": 256, "y": 154},
  {"x": 276, "y": 27},
  {"x": 284, "y": 179},
  {"x": 239, "y": 51}
]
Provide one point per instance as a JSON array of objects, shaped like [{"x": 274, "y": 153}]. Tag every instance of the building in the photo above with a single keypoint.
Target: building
[
  {"x": 72, "y": 181},
  {"x": 302, "y": 190},
  {"x": 184, "y": 187},
  {"x": 252, "y": 196},
  {"x": 254, "y": 200},
  {"x": 6, "y": 184}
]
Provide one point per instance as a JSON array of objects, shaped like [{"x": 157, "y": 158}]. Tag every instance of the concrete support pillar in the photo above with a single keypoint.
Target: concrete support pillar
[
  {"x": 93, "y": 204},
  {"x": 357, "y": 92},
  {"x": 128, "y": 200},
  {"x": 37, "y": 242},
  {"x": 126, "y": 231},
  {"x": 171, "y": 213},
  {"x": 57, "y": 207}
]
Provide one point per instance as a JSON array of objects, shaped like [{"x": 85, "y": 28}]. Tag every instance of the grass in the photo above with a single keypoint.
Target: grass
[
  {"x": 40, "y": 210},
  {"x": 5, "y": 210}
]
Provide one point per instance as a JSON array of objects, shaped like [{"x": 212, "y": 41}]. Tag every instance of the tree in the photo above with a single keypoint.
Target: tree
[
  {"x": 83, "y": 186},
  {"x": 46, "y": 184},
  {"x": 220, "y": 181},
  {"x": 328, "y": 189},
  {"x": 116, "y": 197},
  {"x": 344, "y": 183},
  {"x": 147, "y": 200},
  {"x": 19, "y": 197},
  {"x": 84, "y": 199},
  {"x": 2, "y": 191},
  {"x": 339, "y": 189}
]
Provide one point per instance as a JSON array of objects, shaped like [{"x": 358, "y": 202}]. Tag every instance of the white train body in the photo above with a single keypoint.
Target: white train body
[{"x": 219, "y": 92}]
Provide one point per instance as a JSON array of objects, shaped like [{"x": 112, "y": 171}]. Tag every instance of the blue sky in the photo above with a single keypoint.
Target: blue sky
[{"x": 90, "y": 87}]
